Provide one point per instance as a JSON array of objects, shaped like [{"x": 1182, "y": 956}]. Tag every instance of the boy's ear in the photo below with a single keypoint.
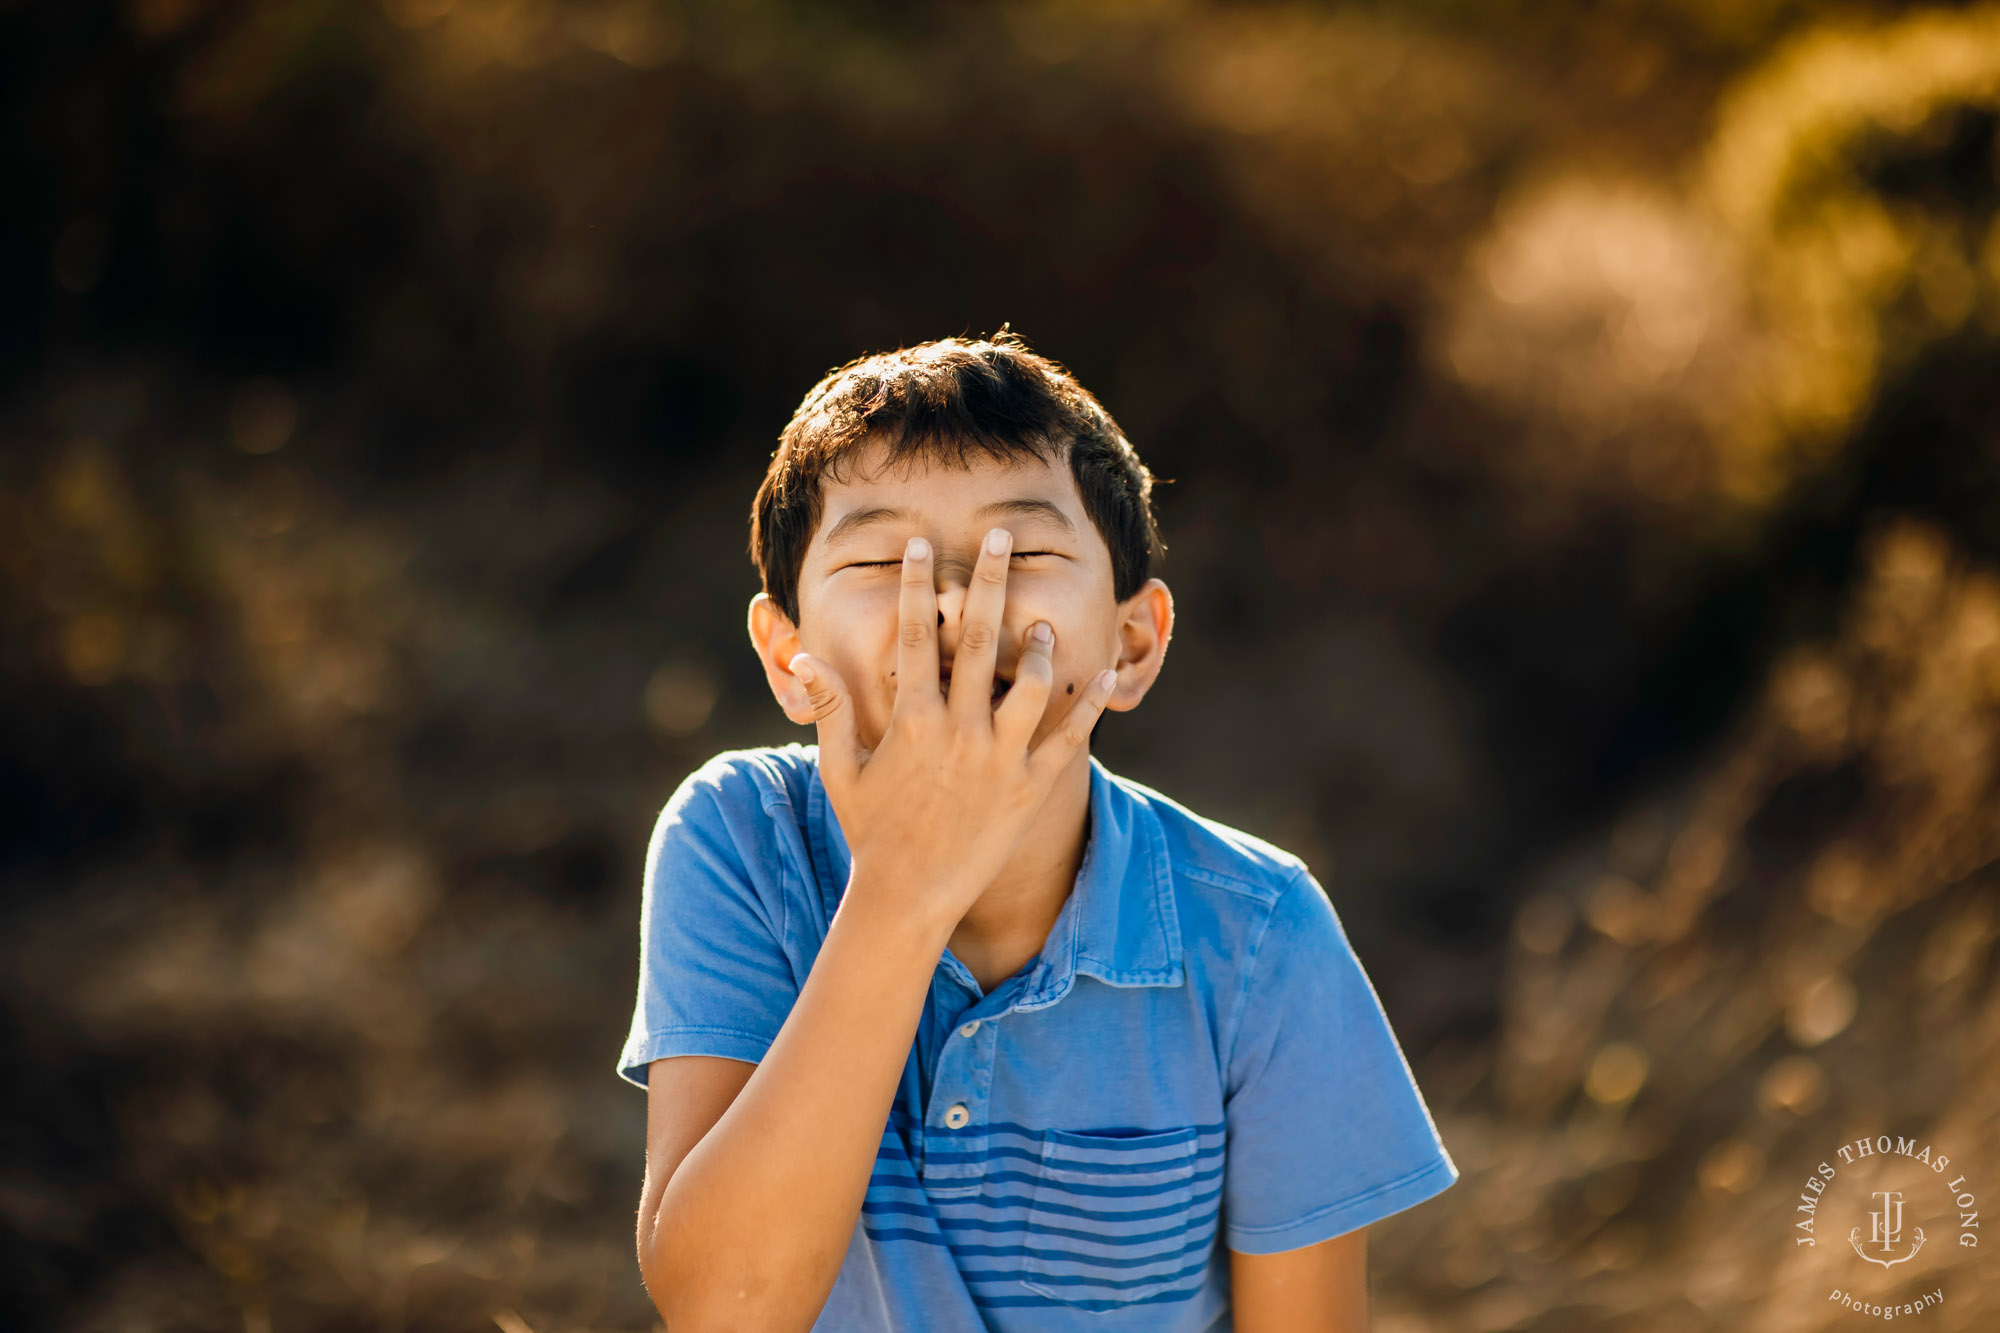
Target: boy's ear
[
  {"x": 776, "y": 640},
  {"x": 1145, "y": 627}
]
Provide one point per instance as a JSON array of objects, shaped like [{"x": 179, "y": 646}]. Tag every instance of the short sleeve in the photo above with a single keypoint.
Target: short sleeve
[
  {"x": 714, "y": 978},
  {"x": 1327, "y": 1131}
]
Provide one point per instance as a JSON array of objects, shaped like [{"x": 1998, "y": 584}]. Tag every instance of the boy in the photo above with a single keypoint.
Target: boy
[{"x": 944, "y": 1026}]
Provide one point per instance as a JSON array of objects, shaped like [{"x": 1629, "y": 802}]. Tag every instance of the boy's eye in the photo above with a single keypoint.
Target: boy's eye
[{"x": 883, "y": 564}]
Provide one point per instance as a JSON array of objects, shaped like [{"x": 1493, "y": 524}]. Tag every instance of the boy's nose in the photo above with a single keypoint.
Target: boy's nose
[
  {"x": 950, "y": 602},
  {"x": 950, "y": 599},
  {"x": 951, "y": 608}
]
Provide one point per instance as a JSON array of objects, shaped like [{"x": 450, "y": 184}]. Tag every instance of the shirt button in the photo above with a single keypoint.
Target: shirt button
[
  {"x": 969, "y": 1028},
  {"x": 956, "y": 1117}
]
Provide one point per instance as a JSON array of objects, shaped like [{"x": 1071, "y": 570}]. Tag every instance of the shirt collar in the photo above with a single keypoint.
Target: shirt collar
[{"x": 1118, "y": 924}]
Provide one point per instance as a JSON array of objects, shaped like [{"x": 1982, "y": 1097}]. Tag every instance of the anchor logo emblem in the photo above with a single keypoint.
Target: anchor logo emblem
[{"x": 1885, "y": 1230}]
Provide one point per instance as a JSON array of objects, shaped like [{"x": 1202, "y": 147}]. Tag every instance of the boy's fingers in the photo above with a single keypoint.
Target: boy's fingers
[
  {"x": 916, "y": 633},
  {"x": 973, "y": 665},
  {"x": 833, "y": 714},
  {"x": 1060, "y": 746},
  {"x": 1034, "y": 676}
]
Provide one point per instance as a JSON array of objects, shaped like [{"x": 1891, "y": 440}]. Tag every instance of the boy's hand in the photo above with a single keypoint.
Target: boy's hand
[{"x": 937, "y": 808}]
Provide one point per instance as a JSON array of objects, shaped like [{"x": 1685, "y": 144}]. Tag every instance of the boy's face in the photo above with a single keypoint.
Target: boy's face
[{"x": 1059, "y": 571}]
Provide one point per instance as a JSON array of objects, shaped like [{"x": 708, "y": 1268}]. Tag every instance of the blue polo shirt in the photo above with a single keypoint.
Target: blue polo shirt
[{"x": 1194, "y": 1063}]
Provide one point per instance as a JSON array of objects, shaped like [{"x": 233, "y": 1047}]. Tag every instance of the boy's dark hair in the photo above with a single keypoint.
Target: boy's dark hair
[{"x": 939, "y": 402}]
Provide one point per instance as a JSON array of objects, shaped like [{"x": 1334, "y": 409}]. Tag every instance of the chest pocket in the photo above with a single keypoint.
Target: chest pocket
[{"x": 1109, "y": 1224}]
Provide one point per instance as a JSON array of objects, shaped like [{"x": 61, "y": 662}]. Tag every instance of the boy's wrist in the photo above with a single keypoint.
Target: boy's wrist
[{"x": 918, "y": 920}]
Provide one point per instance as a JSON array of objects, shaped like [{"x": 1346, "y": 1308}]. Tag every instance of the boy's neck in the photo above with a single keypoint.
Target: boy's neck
[{"x": 1008, "y": 924}]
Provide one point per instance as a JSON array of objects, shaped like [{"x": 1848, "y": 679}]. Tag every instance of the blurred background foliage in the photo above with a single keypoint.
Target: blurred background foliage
[{"x": 1579, "y": 425}]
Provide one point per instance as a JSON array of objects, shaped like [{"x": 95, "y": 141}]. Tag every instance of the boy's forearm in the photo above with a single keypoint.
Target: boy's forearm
[{"x": 751, "y": 1230}]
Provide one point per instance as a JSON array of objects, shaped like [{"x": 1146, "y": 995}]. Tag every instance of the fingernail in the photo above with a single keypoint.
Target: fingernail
[
  {"x": 1106, "y": 679},
  {"x": 1041, "y": 633},
  {"x": 917, "y": 549},
  {"x": 802, "y": 668},
  {"x": 996, "y": 541}
]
